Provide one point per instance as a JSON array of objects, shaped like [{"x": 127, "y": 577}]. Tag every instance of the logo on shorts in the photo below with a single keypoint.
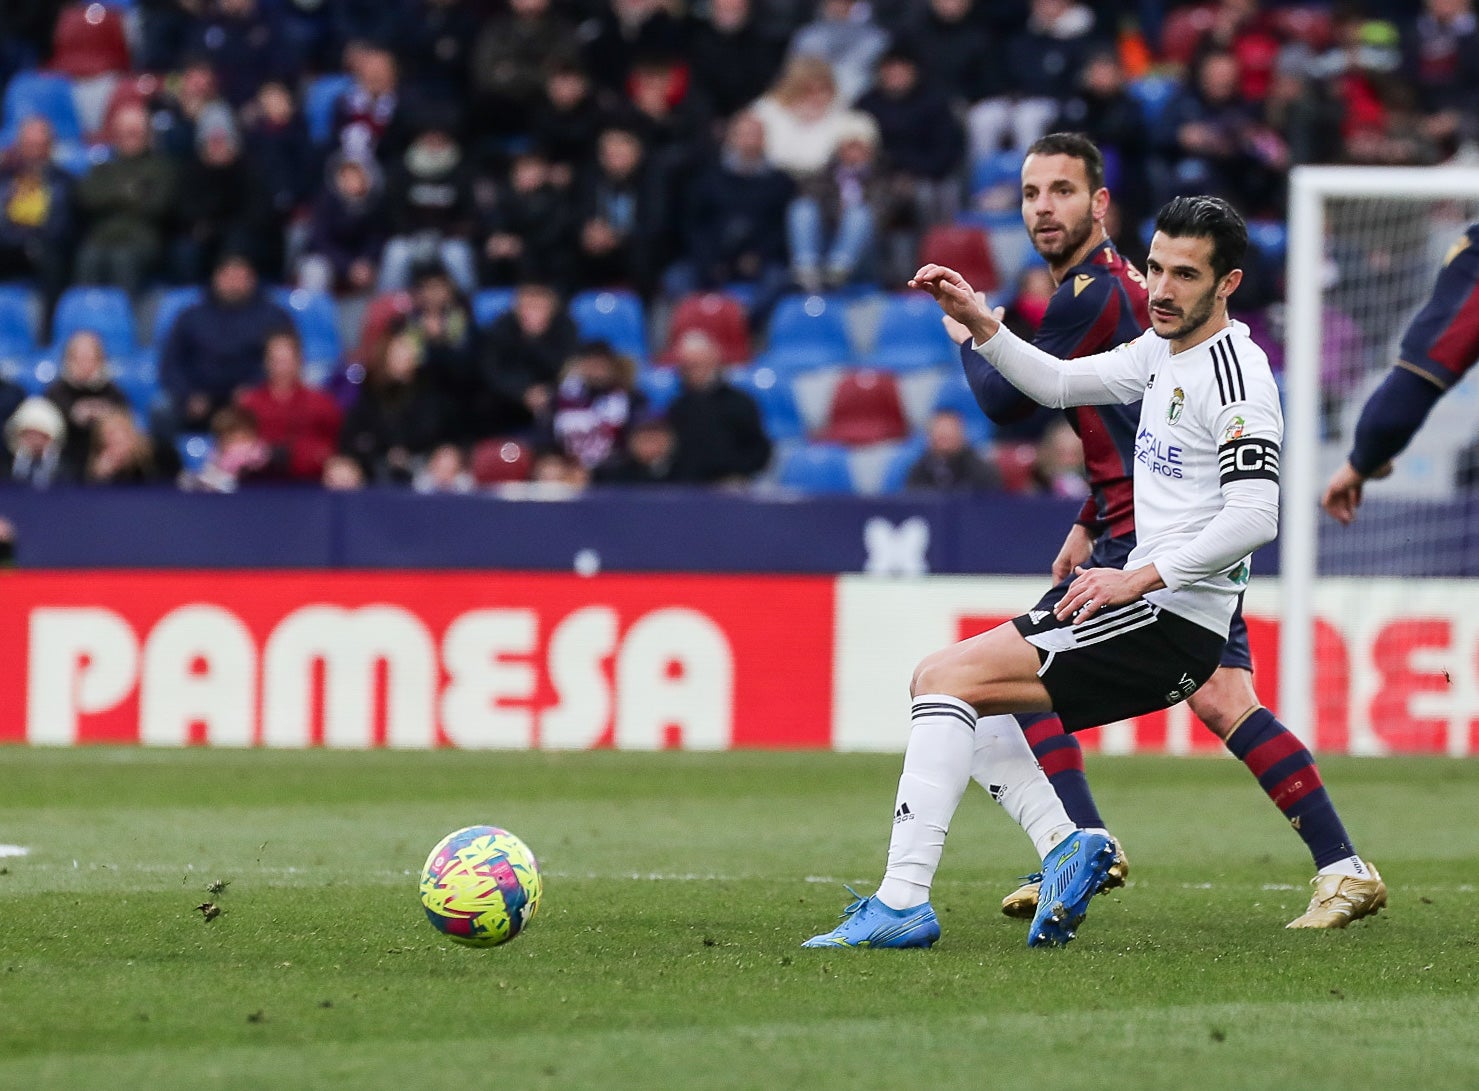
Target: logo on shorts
[
  {"x": 1184, "y": 689},
  {"x": 1036, "y": 616},
  {"x": 1178, "y": 403}
]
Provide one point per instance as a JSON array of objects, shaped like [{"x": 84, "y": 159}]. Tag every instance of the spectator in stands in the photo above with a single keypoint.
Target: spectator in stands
[
  {"x": 1104, "y": 110},
  {"x": 832, "y": 227},
  {"x": 1059, "y": 467},
  {"x": 282, "y": 154},
  {"x": 238, "y": 454},
  {"x": 429, "y": 195},
  {"x": 444, "y": 471},
  {"x": 647, "y": 456},
  {"x": 120, "y": 454},
  {"x": 922, "y": 141},
  {"x": 246, "y": 44},
  {"x": 803, "y": 117},
  {"x": 298, "y": 423},
  {"x": 441, "y": 320},
  {"x": 1441, "y": 62},
  {"x": 522, "y": 355},
  {"x": 622, "y": 220},
  {"x": 34, "y": 436},
  {"x": 624, "y": 32},
  {"x": 84, "y": 392},
  {"x": 397, "y": 417},
  {"x": 1040, "y": 62},
  {"x": 216, "y": 347},
  {"x": 564, "y": 125},
  {"x": 732, "y": 59},
  {"x": 845, "y": 36},
  {"x": 595, "y": 404},
  {"x": 734, "y": 219},
  {"x": 35, "y": 213},
  {"x": 178, "y": 103},
  {"x": 509, "y": 60},
  {"x": 1218, "y": 142},
  {"x": 949, "y": 463},
  {"x": 368, "y": 118},
  {"x": 11, "y": 396},
  {"x": 441, "y": 35},
  {"x": 717, "y": 433},
  {"x": 346, "y": 229},
  {"x": 558, "y": 473},
  {"x": 126, "y": 203},
  {"x": 671, "y": 123},
  {"x": 343, "y": 474},
  {"x": 531, "y": 227},
  {"x": 967, "y": 61},
  {"x": 222, "y": 205}
]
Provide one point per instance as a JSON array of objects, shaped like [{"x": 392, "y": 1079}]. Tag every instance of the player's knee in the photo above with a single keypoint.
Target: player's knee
[
  {"x": 934, "y": 674},
  {"x": 1224, "y": 700}
]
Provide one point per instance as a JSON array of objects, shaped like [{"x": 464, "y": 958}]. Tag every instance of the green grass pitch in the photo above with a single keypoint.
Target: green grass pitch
[{"x": 677, "y": 890}]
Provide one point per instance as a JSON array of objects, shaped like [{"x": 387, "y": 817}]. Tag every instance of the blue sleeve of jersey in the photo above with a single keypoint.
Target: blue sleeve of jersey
[
  {"x": 1002, "y": 402},
  {"x": 1390, "y": 418}
]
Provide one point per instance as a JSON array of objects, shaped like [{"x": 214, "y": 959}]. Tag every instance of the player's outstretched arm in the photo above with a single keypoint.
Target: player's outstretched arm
[
  {"x": 1343, "y": 491},
  {"x": 957, "y": 299}
]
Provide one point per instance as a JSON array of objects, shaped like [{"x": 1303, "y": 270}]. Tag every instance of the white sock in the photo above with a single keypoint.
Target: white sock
[
  {"x": 1353, "y": 866},
  {"x": 937, "y": 764},
  {"x": 1003, "y": 764}
]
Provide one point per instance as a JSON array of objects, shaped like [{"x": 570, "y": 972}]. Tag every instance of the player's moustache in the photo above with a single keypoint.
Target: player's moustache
[{"x": 1163, "y": 305}]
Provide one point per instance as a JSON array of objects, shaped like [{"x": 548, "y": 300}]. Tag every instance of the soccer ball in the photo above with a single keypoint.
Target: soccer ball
[{"x": 480, "y": 886}]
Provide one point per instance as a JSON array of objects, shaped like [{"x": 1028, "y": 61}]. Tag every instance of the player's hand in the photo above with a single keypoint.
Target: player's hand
[
  {"x": 1076, "y": 549},
  {"x": 959, "y": 333},
  {"x": 956, "y": 298},
  {"x": 1098, "y": 589},
  {"x": 1343, "y": 492}
]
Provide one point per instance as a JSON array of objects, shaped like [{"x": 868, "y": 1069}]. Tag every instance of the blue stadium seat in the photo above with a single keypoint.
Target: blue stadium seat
[
  {"x": 777, "y": 402},
  {"x": 817, "y": 468},
  {"x": 319, "y": 101},
  {"x": 106, "y": 311},
  {"x": 910, "y": 336},
  {"x": 17, "y": 334},
  {"x": 660, "y": 384},
  {"x": 142, "y": 388},
  {"x": 40, "y": 371},
  {"x": 955, "y": 393},
  {"x": 194, "y": 449},
  {"x": 1272, "y": 239},
  {"x": 167, "y": 308},
  {"x": 900, "y": 464},
  {"x": 45, "y": 94},
  {"x": 1153, "y": 94},
  {"x": 807, "y": 331},
  {"x": 489, "y": 304},
  {"x": 614, "y": 317},
  {"x": 317, "y": 320},
  {"x": 996, "y": 190}
]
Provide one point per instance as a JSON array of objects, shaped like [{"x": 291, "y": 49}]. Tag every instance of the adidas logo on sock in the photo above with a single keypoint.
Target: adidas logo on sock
[{"x": 903, "y": 814}]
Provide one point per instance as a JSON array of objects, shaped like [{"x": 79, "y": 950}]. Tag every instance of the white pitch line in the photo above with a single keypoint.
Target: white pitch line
[{"x": 14, "y": 850}]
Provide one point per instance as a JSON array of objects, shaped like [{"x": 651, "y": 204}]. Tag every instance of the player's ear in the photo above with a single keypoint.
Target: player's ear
[
  {"x": 1230, "y": 283},
  {"x": 1099, "y": 203}
]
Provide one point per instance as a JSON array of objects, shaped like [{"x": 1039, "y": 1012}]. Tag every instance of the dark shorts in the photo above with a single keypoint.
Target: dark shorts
[
  {"x": 1113, "y": 552},
  {"x": 1125, "y": 661}
]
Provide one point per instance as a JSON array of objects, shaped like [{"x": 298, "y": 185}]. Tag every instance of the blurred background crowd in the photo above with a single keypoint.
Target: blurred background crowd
[{"x": 457, "y": 244}]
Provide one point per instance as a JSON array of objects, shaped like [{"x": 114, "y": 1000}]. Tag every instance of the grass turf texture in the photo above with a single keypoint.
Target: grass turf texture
[{"x": 678, "y": 887}]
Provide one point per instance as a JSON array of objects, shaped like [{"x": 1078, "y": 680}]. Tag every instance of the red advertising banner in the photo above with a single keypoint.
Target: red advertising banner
[{"x": 366, "y": 659}]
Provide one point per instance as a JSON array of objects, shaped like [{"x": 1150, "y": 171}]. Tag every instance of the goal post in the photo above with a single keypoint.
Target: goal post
[{"x": 1365, "y": 244}]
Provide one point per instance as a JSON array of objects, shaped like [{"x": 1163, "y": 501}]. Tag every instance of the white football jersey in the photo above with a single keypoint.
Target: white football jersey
[{"x": 1208, "y": 416}]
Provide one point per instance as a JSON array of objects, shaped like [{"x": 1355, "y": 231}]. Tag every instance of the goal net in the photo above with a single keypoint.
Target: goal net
[{"x": 1377, "y": 649}]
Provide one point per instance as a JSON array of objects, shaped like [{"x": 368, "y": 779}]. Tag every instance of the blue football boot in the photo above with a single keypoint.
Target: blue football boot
[
  {"x": 1072, "y": 873},
  {"x": 870, "y": 923}
]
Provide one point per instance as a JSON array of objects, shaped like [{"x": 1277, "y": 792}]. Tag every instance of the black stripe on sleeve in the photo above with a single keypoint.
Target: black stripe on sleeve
[{"x": 1237, "y": 367}]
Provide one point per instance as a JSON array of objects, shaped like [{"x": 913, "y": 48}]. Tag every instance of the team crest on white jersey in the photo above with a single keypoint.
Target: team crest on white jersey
[{"x": 1177, "y": 404}]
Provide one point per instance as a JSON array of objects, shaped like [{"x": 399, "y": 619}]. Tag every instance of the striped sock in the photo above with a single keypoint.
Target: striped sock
[
  {"x": 1062, "y": 759},
  {"x": 1286, "y": 771}
]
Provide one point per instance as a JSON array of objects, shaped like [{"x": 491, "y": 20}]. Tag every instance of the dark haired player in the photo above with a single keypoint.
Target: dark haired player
[
  {"x": 1112, "y": 643},
  {"x": 1101, "y": 303},
  {"x": 1440, "y": 345}
]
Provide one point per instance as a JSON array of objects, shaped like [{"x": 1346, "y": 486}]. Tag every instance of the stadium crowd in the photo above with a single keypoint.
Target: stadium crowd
[{"x": 428, "y": 243}]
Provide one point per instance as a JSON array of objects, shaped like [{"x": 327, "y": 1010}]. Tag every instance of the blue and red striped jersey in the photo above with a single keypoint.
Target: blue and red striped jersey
[{"x": 1100, "y": 303}]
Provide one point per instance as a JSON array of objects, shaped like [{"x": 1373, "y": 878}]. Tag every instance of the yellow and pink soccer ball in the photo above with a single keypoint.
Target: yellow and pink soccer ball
[{"x": 481, "y": 886}]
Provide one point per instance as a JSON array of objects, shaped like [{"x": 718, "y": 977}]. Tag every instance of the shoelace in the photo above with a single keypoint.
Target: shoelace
[
  {"x": 1035, "y": 877},
  {"x": 857, "y": 905}
]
